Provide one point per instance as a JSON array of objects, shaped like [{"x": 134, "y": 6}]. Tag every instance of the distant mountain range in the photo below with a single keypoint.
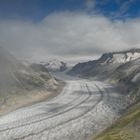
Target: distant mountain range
[
  {"x": 106, "y": 64},
  {"x": 55, "y": 65}
]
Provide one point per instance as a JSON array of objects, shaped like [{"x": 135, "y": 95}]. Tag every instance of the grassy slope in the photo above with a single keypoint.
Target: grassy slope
[{"x": 126, "y": 128}]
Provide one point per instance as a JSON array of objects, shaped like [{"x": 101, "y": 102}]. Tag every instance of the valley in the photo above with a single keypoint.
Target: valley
[
  {"x": 83, "y": 108},
  {"x": 97, "y": 100}
]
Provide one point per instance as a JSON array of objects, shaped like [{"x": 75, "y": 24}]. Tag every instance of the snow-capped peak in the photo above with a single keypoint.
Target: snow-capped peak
[
  {"x": 120, "y": 57},
  {"x": 55, "y": 65}
]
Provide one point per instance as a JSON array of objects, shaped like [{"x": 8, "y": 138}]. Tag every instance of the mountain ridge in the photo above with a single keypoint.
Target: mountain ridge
[{"x": 107, "y": 62}]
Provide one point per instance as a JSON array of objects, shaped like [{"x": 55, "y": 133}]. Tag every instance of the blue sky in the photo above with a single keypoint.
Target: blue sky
[{"x": 36, "y": 10}]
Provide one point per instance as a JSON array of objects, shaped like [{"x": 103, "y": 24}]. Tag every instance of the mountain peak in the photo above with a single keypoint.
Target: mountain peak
[{"x": 120, "y": 57}]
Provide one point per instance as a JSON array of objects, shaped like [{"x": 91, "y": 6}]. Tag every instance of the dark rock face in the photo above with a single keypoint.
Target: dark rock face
[{"x": 63, "y": 67}]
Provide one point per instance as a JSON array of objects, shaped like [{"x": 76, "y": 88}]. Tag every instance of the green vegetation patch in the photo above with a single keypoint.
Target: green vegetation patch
[{"x": 126, "y": 128}]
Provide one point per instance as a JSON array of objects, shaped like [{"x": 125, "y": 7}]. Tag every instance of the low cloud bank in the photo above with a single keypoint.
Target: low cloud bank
[{"x": 69, "y": 34}]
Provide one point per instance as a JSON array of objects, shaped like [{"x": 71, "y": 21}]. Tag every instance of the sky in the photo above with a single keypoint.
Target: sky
[{"x": 68, "y": 29}]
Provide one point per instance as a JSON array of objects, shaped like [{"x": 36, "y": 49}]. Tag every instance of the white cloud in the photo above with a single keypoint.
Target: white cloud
[
  {"x": 69, "y": 35},
  {"x": 124, "y": 7},
  {"x": 90, "y": 4}
]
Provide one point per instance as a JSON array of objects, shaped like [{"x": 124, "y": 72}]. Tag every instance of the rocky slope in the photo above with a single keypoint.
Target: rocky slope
[
  {"x": 20, "y": 84},
  {"x": 127, "y": 77}
]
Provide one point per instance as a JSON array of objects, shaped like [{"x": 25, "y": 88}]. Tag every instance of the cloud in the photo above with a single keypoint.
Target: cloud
[
  {"x": 90, "y": 4},
  {"x": 124, "y": 7},
  {"x": 69, "y": 35}
]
